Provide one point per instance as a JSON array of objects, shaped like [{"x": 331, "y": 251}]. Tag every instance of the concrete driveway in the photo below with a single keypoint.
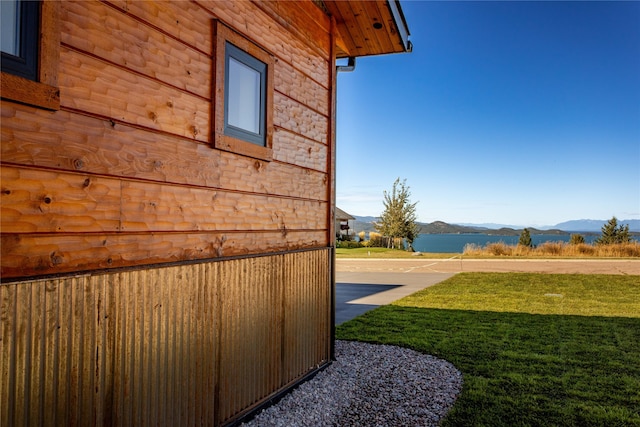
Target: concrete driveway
[{"x": 359, "y": 292}]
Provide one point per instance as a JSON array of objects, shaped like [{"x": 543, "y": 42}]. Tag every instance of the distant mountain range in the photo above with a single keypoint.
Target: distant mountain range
[{"x": 365, "y": 223}]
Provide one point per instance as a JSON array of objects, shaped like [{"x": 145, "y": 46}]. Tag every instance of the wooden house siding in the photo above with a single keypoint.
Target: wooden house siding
[
  {"x": 149, "y": 278},
  {"x": 150, "y": 275},
  {"x": 129, "y": 156}
]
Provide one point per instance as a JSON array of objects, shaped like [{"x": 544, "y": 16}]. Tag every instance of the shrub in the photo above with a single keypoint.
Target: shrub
[
  {"x": 585, "y": 249},
  {"x": 551, "y": 248},
  {"x": 499, "y": 249},
  {"x": 630, "y": 249},
  {"x": 348, "y": 244},
  {"x": 472, "y": 249},
  {"x": 576, "y": 239}
]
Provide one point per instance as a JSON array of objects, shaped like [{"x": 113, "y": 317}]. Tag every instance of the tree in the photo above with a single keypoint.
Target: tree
[
  {"x": 398, "y": 221},
  {"x": 525, "y": 238},
  {"x": 576, "y": 239},
  {"x": 613, "y": 233}
]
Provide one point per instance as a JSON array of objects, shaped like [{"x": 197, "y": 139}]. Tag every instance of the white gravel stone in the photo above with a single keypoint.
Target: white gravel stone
[{"x": 370, "y": 385}]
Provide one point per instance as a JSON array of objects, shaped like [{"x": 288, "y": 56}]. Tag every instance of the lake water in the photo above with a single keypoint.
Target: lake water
[{"x": 455, "y": 243}]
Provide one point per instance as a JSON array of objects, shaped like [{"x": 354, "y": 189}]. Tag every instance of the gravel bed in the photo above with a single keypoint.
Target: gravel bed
[{"x": 370, "y": 385}]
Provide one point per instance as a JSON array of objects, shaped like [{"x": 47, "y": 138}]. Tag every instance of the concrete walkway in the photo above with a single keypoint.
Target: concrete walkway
[{"x": 359, "y": 292}]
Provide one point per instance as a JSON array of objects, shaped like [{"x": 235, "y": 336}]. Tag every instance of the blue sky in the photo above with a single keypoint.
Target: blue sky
[{"x": 522, "y": 113}]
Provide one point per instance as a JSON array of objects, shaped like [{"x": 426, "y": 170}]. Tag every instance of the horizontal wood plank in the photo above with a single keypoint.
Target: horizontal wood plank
[
  {"x": 141, "y": 48},
  {"x": 193, "y": 29},
  {"x": 297, "y": 118},
  {"x": 42, "y": 201},
  {"x": 45, "y": 202},
  {"x": 153, "y": 207},
  {"x": 88, "y": 84},
  {"x": 298, "y": 86},
  {"x": 303, "y": 19},
  {"x": 75, "y": 142},
  {"x": 298, "y": 150},
  {"x": 31, "y": 255}
]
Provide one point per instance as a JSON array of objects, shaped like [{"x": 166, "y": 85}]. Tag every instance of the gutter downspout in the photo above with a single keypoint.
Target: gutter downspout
[{"x": 351, "y": 65}]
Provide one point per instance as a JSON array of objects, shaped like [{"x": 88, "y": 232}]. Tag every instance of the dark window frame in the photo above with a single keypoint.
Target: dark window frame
[
  {"x": 260, "y": 67},
  {"x": 26, "y": 63}
]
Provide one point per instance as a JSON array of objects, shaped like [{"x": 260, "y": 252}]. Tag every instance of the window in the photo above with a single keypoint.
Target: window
[
  {"x": 244, "y": 95},
  {"x": 20, "y": 30},
  {"x": 30, "y": 44}
]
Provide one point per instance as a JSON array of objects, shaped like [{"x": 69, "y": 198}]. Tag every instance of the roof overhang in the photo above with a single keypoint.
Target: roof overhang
[
  {"x": 369, "y": 27},
  {"x": 342, "y": 215}
]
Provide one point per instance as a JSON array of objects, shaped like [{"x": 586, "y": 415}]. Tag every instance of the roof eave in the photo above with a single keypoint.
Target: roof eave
[{"x": 369, "y": 27}]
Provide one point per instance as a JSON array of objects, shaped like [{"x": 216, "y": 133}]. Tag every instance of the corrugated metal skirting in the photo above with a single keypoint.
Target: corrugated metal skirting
[{"x": 180, "y": 345}]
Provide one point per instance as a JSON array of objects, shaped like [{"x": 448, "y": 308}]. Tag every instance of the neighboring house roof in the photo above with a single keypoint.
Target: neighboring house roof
[
  {"x": 369, "y": 27},
  {"x": 342, "y": 215}
]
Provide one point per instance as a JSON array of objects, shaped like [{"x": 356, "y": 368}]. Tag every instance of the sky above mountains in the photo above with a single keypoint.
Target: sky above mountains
[{"x": 505, "y": 112}]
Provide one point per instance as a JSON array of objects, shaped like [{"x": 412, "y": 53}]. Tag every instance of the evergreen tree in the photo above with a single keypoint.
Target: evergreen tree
[
  {"x": 613, "y": 233},
  {"x": 525, "y": 238},
  {"x": 576, "y": 239},
  {"x": 398, "y": 221}
]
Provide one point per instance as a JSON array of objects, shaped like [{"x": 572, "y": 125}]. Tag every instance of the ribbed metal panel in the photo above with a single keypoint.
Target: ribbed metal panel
[
  {"x": 251, "y": 295},
  {"x": 181, "y": 345},
  {"x": 307, "y": 313}
]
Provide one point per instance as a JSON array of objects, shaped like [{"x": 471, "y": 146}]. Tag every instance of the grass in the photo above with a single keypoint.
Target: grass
[
  {"x": 535, "y": 350},
  {"x": 385, "y": 253}
]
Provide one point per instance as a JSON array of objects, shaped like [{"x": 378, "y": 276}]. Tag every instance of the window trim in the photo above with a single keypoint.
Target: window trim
[
  {"x": 43, "y": 92},
  {"x": 231, "y": 141}
]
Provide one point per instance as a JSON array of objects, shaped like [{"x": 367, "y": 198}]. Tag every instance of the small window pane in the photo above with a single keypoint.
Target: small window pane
[
  {"x": 244, "y": 96},
  {"x": 10, "y": 36}
]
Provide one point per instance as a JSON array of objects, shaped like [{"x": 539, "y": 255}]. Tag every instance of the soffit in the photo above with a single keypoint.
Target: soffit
[{"x": 369, "y": 27}]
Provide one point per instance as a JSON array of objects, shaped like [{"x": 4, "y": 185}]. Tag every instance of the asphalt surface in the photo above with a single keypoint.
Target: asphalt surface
[
  {"x": 359, "y": 292},
  {"x": 364, "y": 284}
]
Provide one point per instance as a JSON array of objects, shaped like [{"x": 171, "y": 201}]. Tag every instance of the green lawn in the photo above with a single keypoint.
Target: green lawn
[
  {"x": 535, "y": 350},
  {"x": 386, "y": 253}
]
